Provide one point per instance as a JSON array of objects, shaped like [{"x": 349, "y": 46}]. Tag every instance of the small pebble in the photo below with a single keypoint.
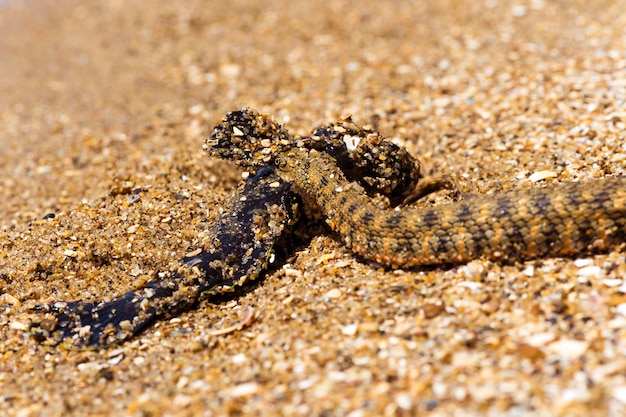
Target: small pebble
[
  {"x": 244, "y": 389},
  {"x": 612, "y": 282},
  {"x": 350, "y": 329},
  {"x": 333, "y": 294},
  {"x": 432, "y": 310},
  {"x": 540, "y": 339},
  {"x": 568, "y": 348},
  {"x": 621, "y": 309},
  {"x": 619, "y": 393},
  {"x": 590, "y": 271},
  {"x": 541, "y": 175}
]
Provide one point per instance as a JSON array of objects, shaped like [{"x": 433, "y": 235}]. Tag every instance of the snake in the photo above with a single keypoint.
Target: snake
[
  {"x": 361, "y": 185},
  {"x": 246, "y": 240},
  {"x": 559, "y": 220}
]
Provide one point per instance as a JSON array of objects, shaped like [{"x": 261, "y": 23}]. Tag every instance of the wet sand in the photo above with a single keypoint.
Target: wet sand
[{"x": 98, "y": 98}]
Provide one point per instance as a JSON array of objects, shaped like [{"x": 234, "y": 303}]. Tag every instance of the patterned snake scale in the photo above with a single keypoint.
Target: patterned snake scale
[
  {"x": 257, "y": 225},
  {"x": 560, "y": 220}
]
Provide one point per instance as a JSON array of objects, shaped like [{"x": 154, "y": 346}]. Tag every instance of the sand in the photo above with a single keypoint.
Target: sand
[{"x": 101, "y": 97}]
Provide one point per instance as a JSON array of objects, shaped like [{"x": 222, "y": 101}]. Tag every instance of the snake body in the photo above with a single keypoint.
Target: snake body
[
  {"x": 242, "y": 243},
  {"x": 556, "y": 221},
  {"x": 258, "y": 221},
  {"x": 350, "y": 176},
  {"x": 553, "y": 221}
]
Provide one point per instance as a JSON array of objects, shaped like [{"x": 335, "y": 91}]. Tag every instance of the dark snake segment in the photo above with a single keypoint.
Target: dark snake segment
[
  {"x": 553, "y": 221},
  {"x": 242, "y": 245}
]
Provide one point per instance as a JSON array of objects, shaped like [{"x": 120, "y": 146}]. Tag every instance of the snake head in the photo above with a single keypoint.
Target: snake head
[{"x": 248, "y": 138}]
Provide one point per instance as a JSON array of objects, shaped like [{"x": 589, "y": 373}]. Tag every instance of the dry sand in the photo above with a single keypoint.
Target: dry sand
[{"x": 100, "y": 96}]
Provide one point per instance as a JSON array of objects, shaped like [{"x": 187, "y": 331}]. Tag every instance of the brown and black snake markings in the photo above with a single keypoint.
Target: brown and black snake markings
[
  {"x": 259, "y": 222},
  {"x": 351, "y": 177},
  {"x": 562, "y": 220}
]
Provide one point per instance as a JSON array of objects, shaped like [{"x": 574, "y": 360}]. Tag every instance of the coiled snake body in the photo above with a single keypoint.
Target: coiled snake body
[{"x": 557, "y": 221}]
